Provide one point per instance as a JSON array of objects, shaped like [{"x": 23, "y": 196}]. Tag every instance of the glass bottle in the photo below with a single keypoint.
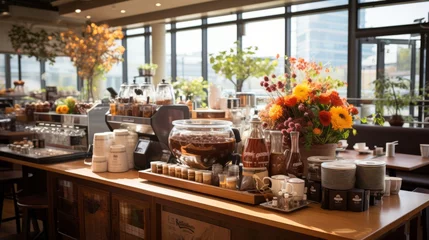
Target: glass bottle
[
  {"x": 294, "y": 164},
  {"x": 277, "y": 157},
  {"x": 255, "y": 153}
]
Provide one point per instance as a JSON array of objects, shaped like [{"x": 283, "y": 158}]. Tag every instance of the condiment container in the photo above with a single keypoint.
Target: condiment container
[
  {"x": 172, "y": 170},
  {"x": 100, "y": 144},
  {"x": 117, "y": 159},
  {"x": 199, "y": 176},
  {"x": 191, "y": 174},
  {"x": 207, "y": 177},
  {"x": 185, "y": 172},
  {"x": 164, "y": 168},
  {"x": 164, "y": 93},
  {"x": 99, "y": 164},
  {"x": 178, "y": 171},
  {"x": 315, "y": 166}
]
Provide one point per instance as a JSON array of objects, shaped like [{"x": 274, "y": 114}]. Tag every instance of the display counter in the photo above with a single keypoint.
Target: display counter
[{"x": 160, "y": 204}]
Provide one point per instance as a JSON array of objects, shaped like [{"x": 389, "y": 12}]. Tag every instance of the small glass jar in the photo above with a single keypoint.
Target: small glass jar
[
  {"x": 199, "y": 176},
  {"x": 185, "y": 172},
  {"x": 178, "y": 172},
  {"x": 164, "y": 169},
  {"x": 154, "y": 167},
  {"x": 207, "y": 177},
  {"x": 172, "y": 170},
  {"x": 191, "y": 174}
]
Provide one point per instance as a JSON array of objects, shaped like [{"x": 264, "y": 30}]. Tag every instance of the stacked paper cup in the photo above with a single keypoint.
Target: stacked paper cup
[
  {"x": 100, "y": 152},
  {"x": 132, "y": 141}
]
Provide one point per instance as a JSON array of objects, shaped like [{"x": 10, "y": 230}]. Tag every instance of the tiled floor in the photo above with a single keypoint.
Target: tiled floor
[{"x": 8, "y": 228}]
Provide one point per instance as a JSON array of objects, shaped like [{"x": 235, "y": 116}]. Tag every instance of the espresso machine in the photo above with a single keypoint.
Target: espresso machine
[{"x": 152, "y": 132}]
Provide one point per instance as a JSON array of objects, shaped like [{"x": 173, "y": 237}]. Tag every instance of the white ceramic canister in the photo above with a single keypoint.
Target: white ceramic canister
[
  {"x": 118, "y": 159},
  {"x": 111, "y": 139},
  {"x": 338, "y": 175},
  {"x": 131, "y": 144},
  {"x": 100, "y": 144},
  {"x": 99, "y": 163}
]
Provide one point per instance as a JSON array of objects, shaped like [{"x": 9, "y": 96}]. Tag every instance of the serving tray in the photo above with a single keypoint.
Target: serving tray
[
  {"x": 46, "y": 155},
  {"x": 269, "y": 206},
  {"x": 248, "y": 197}
]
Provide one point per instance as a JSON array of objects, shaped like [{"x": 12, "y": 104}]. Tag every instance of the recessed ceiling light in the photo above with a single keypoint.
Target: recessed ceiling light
[
  {"x": 78, "y": 10},
  {"x": 158, "y": 4},
  {"x": 123, "y": 11},
  {"x": 89, "y": 17}
]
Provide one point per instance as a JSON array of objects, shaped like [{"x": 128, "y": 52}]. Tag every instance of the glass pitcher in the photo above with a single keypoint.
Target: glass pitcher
[
  {"x": 148, "y": 90},
  {"x": 255, "y": 153},
  {"x": 277, "y": 157}
]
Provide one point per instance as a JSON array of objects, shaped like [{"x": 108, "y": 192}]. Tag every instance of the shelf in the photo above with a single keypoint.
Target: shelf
[{"x": 55, "y": 118}]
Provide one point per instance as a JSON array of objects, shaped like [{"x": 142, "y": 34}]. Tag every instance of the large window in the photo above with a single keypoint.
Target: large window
[
  {"x": 189, "y": 57},
  {"x": 2, "y": 71},
  {"x": 135, "y": 55},
  {"x": 30, "y": 72},
  {"x": 323, "y": 38},
  {"x": 393, "y": 15},
  {"x": 61, "y": 74},
  {"x": 269, "y": 37},
  {"x": 114, "y": 77},
  {"x": 220, "y": 38}
]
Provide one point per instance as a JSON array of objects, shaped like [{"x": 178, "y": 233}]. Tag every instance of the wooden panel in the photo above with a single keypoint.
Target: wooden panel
[
  {"x": 94, "y": 213},
  {"x": 130, "y": 218},
  {"x": 312, "y": 221},
  {"x": 239, "y": 196}
]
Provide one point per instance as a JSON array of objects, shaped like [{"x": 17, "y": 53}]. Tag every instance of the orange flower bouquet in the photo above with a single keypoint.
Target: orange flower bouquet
[{"x": 305, "y": 100}]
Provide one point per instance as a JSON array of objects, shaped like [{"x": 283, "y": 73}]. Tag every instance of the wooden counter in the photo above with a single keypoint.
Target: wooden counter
[
  {"x": 312, "y": 221},
  {"x": 403, "y": 162}
]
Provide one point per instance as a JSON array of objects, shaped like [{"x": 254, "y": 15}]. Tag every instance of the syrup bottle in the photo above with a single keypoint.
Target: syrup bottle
[
  {"x": 294, "y": 164},
  {"x": 255, "y": 153}
]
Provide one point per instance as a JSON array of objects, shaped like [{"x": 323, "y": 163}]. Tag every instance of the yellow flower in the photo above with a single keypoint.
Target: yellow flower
[
  {"x": 301, "y": 92},
  {"x": 340, "y": 118},
  {"x": 276, "y": 111}
]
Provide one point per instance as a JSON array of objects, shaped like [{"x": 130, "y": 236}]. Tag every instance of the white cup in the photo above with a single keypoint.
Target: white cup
[
  {"x": 343, "y": 143},
  {"x": 387, "y": 186},
  {"x": 277, "y": 182},
  {"x": 424, "y": 150},
  {"x": 395, "y": 185},
  {"x": 360, "y": 146},
  {"x": 295, "y": 185}
]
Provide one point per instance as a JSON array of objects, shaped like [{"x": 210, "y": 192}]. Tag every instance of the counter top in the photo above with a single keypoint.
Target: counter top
[{"x": 312, "y": 221}]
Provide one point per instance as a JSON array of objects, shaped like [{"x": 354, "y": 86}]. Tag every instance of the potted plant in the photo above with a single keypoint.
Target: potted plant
[
  {"x": 237, "y": 65},
  {"x": 195, "y": 89},
  {"x": 394, "y": 93},
  {"x": 148, "y": 69}
]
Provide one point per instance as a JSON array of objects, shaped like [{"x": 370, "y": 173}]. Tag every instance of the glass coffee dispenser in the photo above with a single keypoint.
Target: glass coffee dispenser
[
  {"x": 164, "y": 93},
  {"x": 148, "y": 91}
]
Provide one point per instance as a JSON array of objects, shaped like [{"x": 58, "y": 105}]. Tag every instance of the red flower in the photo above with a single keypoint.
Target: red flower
[
  {"x": 354, "y": 111},
  {"x": 325, "y": 118},
  {"x": 324, "y": 98},
  {"x": 290, "y": 101},
  {"x": 335, "y": 99}
]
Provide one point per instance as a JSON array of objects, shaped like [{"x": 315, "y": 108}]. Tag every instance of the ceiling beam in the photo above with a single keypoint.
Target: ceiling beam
[{"x": 191, "y": 9}]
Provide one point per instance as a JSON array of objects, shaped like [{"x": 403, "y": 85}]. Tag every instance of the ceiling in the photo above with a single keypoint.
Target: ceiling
[
  {"x": 104, "y": 12},
  {"x": 140, "y": 12}
]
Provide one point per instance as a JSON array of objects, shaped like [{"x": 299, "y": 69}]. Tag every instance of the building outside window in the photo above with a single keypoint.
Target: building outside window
[
  {"x": 2, "y": 71},
  {"x": 189, "y": 59},
  {"x": 220, "y": 38},
  {"x": 30, "y": 72},
  {"x": 61, "y": 74},
  {"x": 135, "y": 55}
]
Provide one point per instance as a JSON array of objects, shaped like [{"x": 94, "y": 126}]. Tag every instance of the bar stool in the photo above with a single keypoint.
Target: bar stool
[
  {"x": 8, "y": 179},
  {"x": 34, "y": 207}
]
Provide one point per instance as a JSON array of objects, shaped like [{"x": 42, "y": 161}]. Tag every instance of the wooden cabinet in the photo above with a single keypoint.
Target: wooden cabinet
[
  {"x": 94, "y": 213},
  {"x": 87, "y": 210},
  {"x": 130, "y": 218}
]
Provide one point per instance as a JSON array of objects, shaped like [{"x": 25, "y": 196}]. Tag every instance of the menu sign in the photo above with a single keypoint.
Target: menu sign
[
  {"x": 177, "y": 227},
  {"x": 51, "y": 93}
]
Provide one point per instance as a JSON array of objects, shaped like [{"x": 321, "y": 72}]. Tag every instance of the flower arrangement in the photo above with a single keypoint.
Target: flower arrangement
[
  {"x": 93, "y": 49},
  {"x": 305, "y": 100},
  {"x": 195, "y": 88}
]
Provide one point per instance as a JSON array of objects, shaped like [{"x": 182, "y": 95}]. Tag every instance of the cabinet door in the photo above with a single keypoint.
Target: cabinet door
[
  {"x": 94, "y": 213},
  {"x": 66, "y": 209},
  {"x": 130, "y": 218}
]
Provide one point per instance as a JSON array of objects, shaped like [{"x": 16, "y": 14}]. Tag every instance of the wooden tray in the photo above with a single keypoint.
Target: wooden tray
[{"x": 239, "y": 196}]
